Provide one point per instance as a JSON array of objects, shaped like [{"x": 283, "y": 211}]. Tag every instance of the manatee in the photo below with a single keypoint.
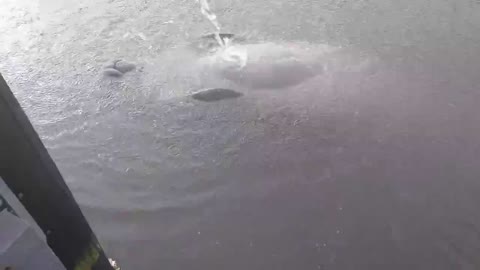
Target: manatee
[
  {"x": 124, "y": 66},
  {"x": 121, "y": 66},
  {"x": 216, "y": 94},
  {"x": 267, "y": 65},
  {"x": 209, "y": 42},
  {"x": 223, "y": 36},
  {"x": 112, "y": 72}
]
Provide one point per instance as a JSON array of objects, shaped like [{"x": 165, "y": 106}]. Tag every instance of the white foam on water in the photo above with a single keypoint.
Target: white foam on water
[{"x": 234, "y": 56}]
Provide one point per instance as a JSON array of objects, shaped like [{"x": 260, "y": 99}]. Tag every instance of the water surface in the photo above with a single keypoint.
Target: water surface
[{"x": 354, "y": 146}]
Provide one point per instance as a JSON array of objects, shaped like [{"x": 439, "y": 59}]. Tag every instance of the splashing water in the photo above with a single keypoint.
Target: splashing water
[{"x": 236, "y": 57}]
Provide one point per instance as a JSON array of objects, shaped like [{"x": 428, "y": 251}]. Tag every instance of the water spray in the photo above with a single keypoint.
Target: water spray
[{"x": 207, "y": 12}]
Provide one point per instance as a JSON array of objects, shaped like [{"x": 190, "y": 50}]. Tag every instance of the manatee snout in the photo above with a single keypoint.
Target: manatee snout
[{"x": 216, "y": 94}]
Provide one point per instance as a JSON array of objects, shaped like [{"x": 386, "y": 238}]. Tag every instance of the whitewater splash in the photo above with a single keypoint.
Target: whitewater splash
[{"x": 233, "y": 55}]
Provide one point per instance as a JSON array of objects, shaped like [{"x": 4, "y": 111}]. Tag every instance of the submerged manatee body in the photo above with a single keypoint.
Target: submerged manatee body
[
  {"x": 244, "y": 68},
  {"x": 268, "y": 65}
]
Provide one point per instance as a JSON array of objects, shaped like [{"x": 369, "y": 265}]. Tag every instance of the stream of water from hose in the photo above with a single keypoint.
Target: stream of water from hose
[
  {"x": 212, "y": 17},
  {"x": 231, "y": 54}
]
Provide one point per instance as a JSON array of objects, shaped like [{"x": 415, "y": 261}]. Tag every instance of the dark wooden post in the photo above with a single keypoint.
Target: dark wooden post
[{"x": 29, "y": 171}]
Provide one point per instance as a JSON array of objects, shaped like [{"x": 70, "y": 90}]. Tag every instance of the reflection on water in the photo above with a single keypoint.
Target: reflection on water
[{"x": 359, "y": 154}]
